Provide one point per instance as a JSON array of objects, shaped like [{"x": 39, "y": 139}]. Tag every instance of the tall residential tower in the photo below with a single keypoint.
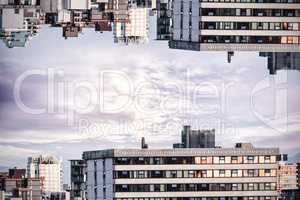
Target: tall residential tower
[{"x": 47, "y": 168}]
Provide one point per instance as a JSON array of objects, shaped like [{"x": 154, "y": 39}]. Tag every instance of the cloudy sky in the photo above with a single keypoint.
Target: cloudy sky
[{"x": 63, "y": 97}]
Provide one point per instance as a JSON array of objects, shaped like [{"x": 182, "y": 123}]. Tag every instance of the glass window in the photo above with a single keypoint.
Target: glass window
[
  {"x": 197, "y": 160},
  {"x": 234, "y": 159},
  {"x": 222, "y": 159},
  {"x": 203, "y": 160},
  {"x": 267, "y": 172},
  {"x": 267, "y": 186},
  {"x": 251, "y": 186},
  {"x": 222, "y": 173},
  {"x": 250, "y": 159},
  {"x": 173, "y": 174},
  {"x": 234, "y": 187},
  {"x": 249, "y": 173},
  {"x": 191, "y": 174},
  {"x": 273, "y": 186},
  {"x": 234, "y": 173},
  {"x": 179, "y": 174}
]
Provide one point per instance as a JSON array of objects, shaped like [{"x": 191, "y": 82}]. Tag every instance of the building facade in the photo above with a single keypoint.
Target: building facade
[
  {"x": 287, "y": 176},
  {"x": 23, "y": 188},
  {"x": 164, "y": 19},
  {"x": 77, "y": 179},
  {"x": 135, "y": 30},
  {"x": 18, "y": 24},
  {"x": 77, "y": 4},
  {"x": 47, "y": 168},
  {"x": 236, "y": 25},
  {"x": 16, "y": 186},
  {"x": 243, "y": 173}
]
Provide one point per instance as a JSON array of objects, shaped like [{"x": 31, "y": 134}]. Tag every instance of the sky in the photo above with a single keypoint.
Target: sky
[{"x": 63, "y": 97}]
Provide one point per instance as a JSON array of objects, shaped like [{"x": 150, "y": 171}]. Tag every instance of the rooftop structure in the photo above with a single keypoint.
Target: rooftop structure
[{"x": 196, "y": 138}]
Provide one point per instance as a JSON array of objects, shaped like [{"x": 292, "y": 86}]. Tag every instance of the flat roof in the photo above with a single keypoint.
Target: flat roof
[{"x": 179, "y": 152}]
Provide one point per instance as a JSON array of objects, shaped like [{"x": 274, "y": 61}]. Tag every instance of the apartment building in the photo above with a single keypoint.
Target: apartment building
[
  {"x": 288, "y": 181},
  {"x": 15, "y": 185},
  {"x": 135, "y": 30},
  {"x": 47, "y": 168},
  {"x": 12, "y": 19},
  {"x": 287, "y": 176},
  {"x": 236, "y": 25},
  {"x": 18, "y": 25},
  {"x": 240, "y": 173},
  {"x": 23, "y": 188}
]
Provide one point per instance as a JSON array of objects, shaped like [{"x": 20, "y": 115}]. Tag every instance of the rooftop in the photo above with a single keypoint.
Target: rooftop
[{"x": 181, "y": 152}]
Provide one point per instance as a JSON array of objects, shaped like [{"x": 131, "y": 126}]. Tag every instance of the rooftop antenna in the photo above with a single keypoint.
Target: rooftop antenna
[
  {"x": 143, "y": 143},
  {"x": 230, "y": 54}
]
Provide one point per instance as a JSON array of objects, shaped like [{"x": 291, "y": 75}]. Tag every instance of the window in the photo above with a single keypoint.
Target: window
[
  {"x": 234, "y": 173},
  {"x": 267, "y": 186},
  {"x": 156, "y": 174},
  {"x": 251, "y": 172},
  {"x": 277, "y": 26},
  {"x": 234, "y": 187},
  {"x": 179, "y": 174},
  {"x": 267, "y": 159},
  {"x": 203, "y": 160},
  {"x": 124, "y": 188},
  {"x": 141, "y": 174},
  {"x": 273, "y": 186},
  {"x": 173, "y": 174},
  {"x": 267, "y": 172},
  {"x": 156, "y": 188},
  {"x": 191, "y": 174},
  {"x": 259, "y": 25},
  {"x": 191, "y": 187},
  {"x": 234, "y": 159},
  {"x": 250, "y": 159},
  {"x": 222, "y": 173},
  {"x": 157, "y": 161},
  {"x": 197, "y": 160},
  {"x": 251, "y": 186},
  {"x": 222, "y": 187},
  {"x": 162, "y": 188},
  {"x": 227, "y": 26},
  {"x": 222, "y": 159}
]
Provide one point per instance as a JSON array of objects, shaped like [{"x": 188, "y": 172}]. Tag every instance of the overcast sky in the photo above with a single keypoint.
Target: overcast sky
[{"x": 106, "y": 95}]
